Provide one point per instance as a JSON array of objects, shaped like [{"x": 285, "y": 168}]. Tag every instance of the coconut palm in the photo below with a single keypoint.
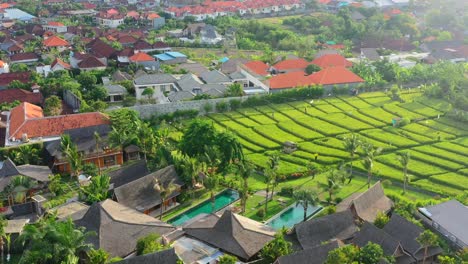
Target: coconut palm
[
  {"x": 3, "y": 224},
  {"x": 427, "y": 239},
  {"x": 334, "y": 177},
  {"x": 211, "y": 183},
  {"x": 306, "y": 198},
  {"x": 26, "y": 154},
  {"x": 20, "y": 187},
  {"x": 119, "y": 139},
  {"x": 351, "y": 145},
  {"x": 245, "y": 169},
  {"x": 97, "y": 139},
  {"x": 165, "y": 192},
  {"x": 273, "y": 163},
  {"x": 70, "y": 152},
  {"x": 369, "y": 157},
  {"x": 145, "y": 137},
  {"x": 270, "y": 179},
  {"x": 404, "y": 159}
]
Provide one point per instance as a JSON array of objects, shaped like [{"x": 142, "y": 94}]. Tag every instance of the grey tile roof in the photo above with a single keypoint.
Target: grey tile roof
[
  {"x": 8, "y": 168},
  {"x": 188, "y": 82},
  {"x": 316, "y": 231},
  {"x": 315, "y": 255},
  {"x": 38, "y": 173},
  {"x": 180, "y": 96},
  {"x": 215, "y": 90},
  {"x": 214, "y": 76},
  {"x": 370, "y": 54},
  {"x": 237, "y": 76},
  {"x": 158, "y": 78},
  {"x": 118, "y": 227},
  {"x": 128, "y": 173},
  {"x": 167, "y": 256},
  {"x": 141, "y": 195},
  {"x": 115, "y": 89},
  {"x": 231, "y": 233},
  {"x": 74, "y": 210},
  {"x": 407, "y": 233}
]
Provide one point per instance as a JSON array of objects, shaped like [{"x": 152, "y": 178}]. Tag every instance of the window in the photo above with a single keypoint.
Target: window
[{"x": 109, "y": 161}]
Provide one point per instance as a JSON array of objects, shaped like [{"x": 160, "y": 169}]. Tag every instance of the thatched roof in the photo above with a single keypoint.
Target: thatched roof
[
  {"x": 314, "y": 232},
  {"x": 118, "y": 227},
  {"x": 167, "y": 256},
  {"x": 141, "y": 195},
  {"x": 407, "y": 233},
  {"x": 315, "y": 255},
  {"x": 232, "y": 233},
  {"x": 368, "y": 204}
]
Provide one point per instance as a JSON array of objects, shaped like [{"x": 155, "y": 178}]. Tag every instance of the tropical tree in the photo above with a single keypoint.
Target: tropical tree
[
  {"x": 427, "y": 239},
  {"x": 199, "y": 134},
  {"x": 306, "y": 198},
  {"x": 229, "y": 148},
  {"x": 148, "y": 92},
  {"x": 51, "y": 242},
  {"x": 148, "y": 244},
  {"x": 273, "y": 163},
  {"x": 368, "y": 162},
  {"x": 70, "y": 151},
  {"x": 146, "y": 139},
  {"x": 52, "y": 106},
  {"x": 165, "y": 192},
  {"x": 3, "y": 225},
  {"x": 19, "y": 188},
  {"x": 351, "y": 145},
  {"x": 26, "y": 154},
  {"x": 97, "y": 140},
  {"x": 100, "y": 256},
  {"x": 245, "y": 170},
  {"x": 234, "y": 89},
  {"x": 381, "y": 220},
  {"x": 404, "y": 159},
  {"x": 97, "y": 190},
  {"x": 371, "y": 253},
  {"x": 276, "y": 248},
  {"x": 333, "y": 183},
  {"x": 120, "y": 138},
  {"x": 270, "y": 179},
  {"x": 227, "y": 259},
  {"x": 342, "y": 255},
  {"x": 191, "y": 168},
  {"x": 211, "y": 183}
]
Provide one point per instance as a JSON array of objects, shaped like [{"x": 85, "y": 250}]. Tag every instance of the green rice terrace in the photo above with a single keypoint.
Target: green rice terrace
[{"x": 438, "y": 144}]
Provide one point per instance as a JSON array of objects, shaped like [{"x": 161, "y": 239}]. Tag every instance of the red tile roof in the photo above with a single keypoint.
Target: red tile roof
[
  {"x": 289, "y": 80},
  {"x": 257, "y": 67},
  {"x": 11, "y": 95},
  {"x": 7, "y": 78},
  {"x": 292, "y": 64},
  {"x": 141, "y": 56},
  {"x": 55, "y": 24},
  {"x": 28, "y": 119},
  {"x": 24, "y": 56},
  {"x": 334, "y": 75},
  {"x": 55, "y": 41},
  {"x": 100, "y": 48},
  {"x": 127, "y": 39},
  {"x": 60, "y": 62},
  {"x": 332, "y": 60},
  {"x": 90, "y": 62}
]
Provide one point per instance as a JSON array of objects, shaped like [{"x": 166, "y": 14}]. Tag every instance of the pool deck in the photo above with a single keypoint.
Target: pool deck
[{"x": 320, "y": 208}]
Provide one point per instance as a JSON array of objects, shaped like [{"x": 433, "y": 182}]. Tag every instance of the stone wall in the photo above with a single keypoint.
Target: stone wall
[{"x": 149, "y": 110}]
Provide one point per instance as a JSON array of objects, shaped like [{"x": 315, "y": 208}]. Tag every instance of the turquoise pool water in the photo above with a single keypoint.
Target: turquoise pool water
[
  {"x": 222, "y": 199},
  {"x": 291, "y": 216}
]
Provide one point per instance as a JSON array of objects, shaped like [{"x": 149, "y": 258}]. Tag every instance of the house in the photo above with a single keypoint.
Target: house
[
  {"x": 116, "y": 92},
  {"x": 161, "y": 46},
  {"x": 258, "y": 68},
  {"x": 26, "y": 122},
  {"x": 370, "y": 54},
  {"x": 171, "y": 57},
  {"x": 4, "y": 67},
  {"x": 25, "y": 58},
  {"x": 145, "y": 60},
  {"x": 407, "y": 233},
  {"x": 315, "y": 255},
  {"x": 7, "y": 78},
  {"x": 390, "y": 245},
  {"x": 142, "y": 195},
  {"x": 333, "y": 76},
  {"x": 231, "y": 233},
  {"x": 332, "y": 60},
  {"x": 160, "y": 83},
  {"x": 110, "y": 18},
  {"x": 124, "y": 55},
  {"x": 288, "y": 80},
  {"x": 86, "y": 61},
  {"x": 11, "y": 95},
  {"x": 156, "y": 21},
  {"x": 215, "y": 77},
  {"x": 55, "y": 42},
  {"x": 128, "y": 173},
  {"x": 449, "y": 219},
  {"x": 85, "y": 141},
  {"x": 167, "y": 256},
  {"x": 118, "y": 227},
  {"x": 190, "y": 83},
  {"x": 291, "y": 65},
  {"x": 8, "y": 170},
  {"x": 365, "y": 206},
  {"x": 56, "y": 27},
  {"x": 101, "y": 49},
  {"x": 209, "y": 35},
  {"x": 74, "y": 210},
  {"x": 17, "y": 14},
  {"x": 315, "y": 232},
  {"x": 59, "y": 65}
]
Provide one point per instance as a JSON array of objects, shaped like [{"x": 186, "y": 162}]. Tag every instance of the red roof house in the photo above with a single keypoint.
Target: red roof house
[
  {"x": 289, "y": 80},
  {"x": 7, "y": 78},
  {"x": 59, "y": 64},
  {"x": 291, "y": 65},
  {"x": 335, "y": 76},
  {"x": 140, "y": 57},
  {"x": 56, "y": 42},
  {"x": 11, "y": 95},
  {"x": 332, "y": 60},
  {"x": 28, "y": 120},
  {"x": 257, "y": 67}
]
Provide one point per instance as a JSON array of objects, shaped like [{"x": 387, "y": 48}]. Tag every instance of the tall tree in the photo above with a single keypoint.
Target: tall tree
[
  {"x": 70, "y": 151},
  {"x": 306, "y": 198},
  {"x": 332, "y": 184},
  {"x": 276, "y": 248},
  {"x": 146, "y": 139},
  {"x": 245, "y": 170},
  {"x": 273, "y": 163},
  {"x": 26, "y": 154},
  {"x": 342, "y": 255},
  {"x": 234, "y": 89},
  {"x": 369, "y": 157},
  {"x": 98, "y": 189},
  {"x": 3, "y": 225},
  {"x": 371, "y": 253},
  {"x": 211, "y": 183},
  {"x": 270, "y": 180},
  {"x": 52, "y": 106},
  {"x": 427, "y": 239},
  {"x": 200, "y": 133},
  {"x": 352, "y": 144},
  {"x": 97, "y": 140},
  {"x": 165, "y": 192},
  {"x": 229, "y": 147},
  {"x": 404, "y": 159}
]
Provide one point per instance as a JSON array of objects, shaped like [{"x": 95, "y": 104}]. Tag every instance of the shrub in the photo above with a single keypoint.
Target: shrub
[
  {"x": 286, "y": 191},
  {"x": 227, "y": 259},
  {"x": 221, "y": 106},
  {"x": 381, "y": 220},
  {"x": 261, "y": 212},
  {"x": 403, "y": 122},
  {"x": 129, "y": 101},
  {"x": 208, "y": 107},
  {"x": 234, "y": 104},
  {"x": 148, "y": 244}
]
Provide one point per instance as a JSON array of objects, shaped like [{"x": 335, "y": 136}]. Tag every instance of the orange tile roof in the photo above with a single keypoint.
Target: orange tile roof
[
  {"x": 152, "y": 16},
  {"x": 257, "y": 67},
  {"x": 292, "y": 64},
  {"x": 28, "y": 119},
  {"x": 60, "y": 62},
  {"x": 289, "y": 80},
  {"x": 141, "y": 56},
  {"x": 334, "y": 75},
  {"x": 332, "y": 60},
  {"x": 2, "y": 64},
  {"x": 55, "y": 41},
  {"x": 55, "y": 24}
]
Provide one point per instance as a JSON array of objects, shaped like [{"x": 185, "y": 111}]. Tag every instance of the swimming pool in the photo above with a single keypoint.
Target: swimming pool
[
  {"x": 222, "y": 200},
  {"x": 290, "y": 216}
]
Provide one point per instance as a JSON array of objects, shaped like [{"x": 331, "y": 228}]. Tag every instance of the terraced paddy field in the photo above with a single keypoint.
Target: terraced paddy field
[{"x": 438, "y": 144}]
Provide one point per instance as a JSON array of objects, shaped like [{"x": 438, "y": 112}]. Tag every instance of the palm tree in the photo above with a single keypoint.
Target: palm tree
[
  {"x": 427, "y": 239},
  {"x": 20, "y": 187},
  {"x": 404, "y": 159},
  {"x": 164, "y": 192},
  {"x": 273, "y": 162},
  {"x": 368, "y": 162},
  {"x": 351, "y": 145},
  {"x": 270, "y": 178},
  {"x": 97, "y": 139},
  {"x": 71, "y": 154},
  {"x": 245, "y": 169},
  {"x": 119, "y": 139},
  {"x": 25, "y": 154},
  {"x": 306, "y": 198},
  {"x": 211, "y": 183},
  {"x": 146, "y": 139},
  {"x": 191, "y": 168},
  {"x": 3, "y": 224},
  {"x": 332, "y": 185}
]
